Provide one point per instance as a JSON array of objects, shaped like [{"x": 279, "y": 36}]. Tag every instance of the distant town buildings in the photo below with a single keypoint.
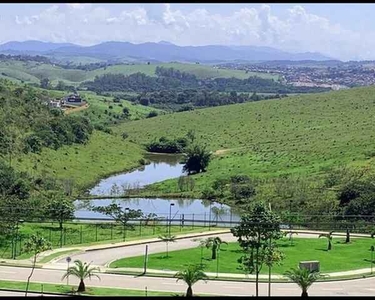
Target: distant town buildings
[{"x": 321, "y": 74}]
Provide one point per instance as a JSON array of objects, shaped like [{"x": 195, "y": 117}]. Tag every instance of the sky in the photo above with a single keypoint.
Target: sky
[{"x": 342, "y": 31}]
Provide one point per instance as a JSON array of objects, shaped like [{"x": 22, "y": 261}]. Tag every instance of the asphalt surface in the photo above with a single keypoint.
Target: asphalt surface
[
  {"x": 361, "y": 287},
  {"x": 105, "y": 256}
]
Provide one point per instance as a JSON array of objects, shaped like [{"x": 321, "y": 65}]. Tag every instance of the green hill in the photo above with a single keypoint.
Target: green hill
[
  {"x": 305, "y": 135},
  {"x": 32, "y": 72}
]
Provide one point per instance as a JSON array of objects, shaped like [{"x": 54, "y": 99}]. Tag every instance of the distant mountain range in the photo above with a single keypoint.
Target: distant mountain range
[{"x": 162, "y": 52}]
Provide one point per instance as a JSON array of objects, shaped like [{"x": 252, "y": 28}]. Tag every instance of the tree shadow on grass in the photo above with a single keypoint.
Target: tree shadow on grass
[
  {"x": 237, "y": 251},
  {"x": 286, "y": 245},
  {"x": 322, "y": 249}
]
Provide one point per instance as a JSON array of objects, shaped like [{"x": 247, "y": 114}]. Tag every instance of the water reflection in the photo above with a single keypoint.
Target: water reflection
[
  {"x": 183, "y": 208},
  {"x": 162, "y": 167}
]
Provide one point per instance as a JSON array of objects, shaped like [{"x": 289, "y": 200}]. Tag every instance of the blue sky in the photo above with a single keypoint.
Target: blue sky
[{"x": 343, "y": 31}]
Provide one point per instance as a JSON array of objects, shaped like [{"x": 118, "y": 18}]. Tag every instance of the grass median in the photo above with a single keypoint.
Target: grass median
[{"x": 342, "y": 257}]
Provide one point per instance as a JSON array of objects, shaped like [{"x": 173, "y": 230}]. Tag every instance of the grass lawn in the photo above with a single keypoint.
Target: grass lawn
[
  {"x": 65, "y": 289},
  {"x": 342, "y": 257},
  {"x": 85, "y": 234}
]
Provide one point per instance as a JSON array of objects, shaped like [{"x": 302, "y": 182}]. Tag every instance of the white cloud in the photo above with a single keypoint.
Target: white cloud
[{"x": 87, "y": 24}]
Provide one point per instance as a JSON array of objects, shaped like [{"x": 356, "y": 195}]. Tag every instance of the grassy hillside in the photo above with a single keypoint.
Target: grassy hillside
[
  {"x": 99, "y": 104},
  {"x": 304, "y": 134},
  {"x": 85, "y": 164},
  {"x": 32, "y": 72}
]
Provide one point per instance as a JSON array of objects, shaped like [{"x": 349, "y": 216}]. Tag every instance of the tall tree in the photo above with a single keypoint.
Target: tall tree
[
  {"x": 197, "y": 159},
  {"x": 60, "y": 209},
  {"x": 120, "y": 215},
  {"x": 35, "y": 244},
  {"x": 254, "y": 232}
]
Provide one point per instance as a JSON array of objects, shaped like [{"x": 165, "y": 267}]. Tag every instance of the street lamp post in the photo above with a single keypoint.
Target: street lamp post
[
  {"x": 217, "y": 263},
  {"x": 68, "y": 260},
  {"x": 209, "y": 219},
  {"x": 372, "y": 256},
  {"x": 170, "y": 218},
  {"x": 125, "y": 227}
]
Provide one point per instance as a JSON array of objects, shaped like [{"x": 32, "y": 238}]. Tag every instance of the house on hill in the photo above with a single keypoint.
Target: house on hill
[{"x": 74, "y": 100}]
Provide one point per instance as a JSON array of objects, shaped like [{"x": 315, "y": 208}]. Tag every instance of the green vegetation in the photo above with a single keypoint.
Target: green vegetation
[
  {"x": 82, "y": 271},
  {"x": 190, "y": 276},
  {"x": 103, "y": 155},
  {"x": 82, "y": 234},
  {"x": 106, "y": 111},
  {"x": 67, "y": 289},
  {"x": 35, "y": 244},
  {"x": 289, "y": 145},
  {"x": 342, "y": 257},
  {"x": 33, "y": 71},
  {"x": 303, "y": 278}
]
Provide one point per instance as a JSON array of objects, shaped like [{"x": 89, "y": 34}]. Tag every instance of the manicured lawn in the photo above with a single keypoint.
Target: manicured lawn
[
  {"x": 84, "y": 234},
  {"x": 342, "y": 257},
  {"x": 64, "y": 289}
]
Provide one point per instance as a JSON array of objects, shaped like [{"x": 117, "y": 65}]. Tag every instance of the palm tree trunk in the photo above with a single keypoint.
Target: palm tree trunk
[
  {"x": 189, "y": 292},
  {"x": 304, "y": 293},
  {"x": 81, "y": 287},
  {"x": 213, "y": 252},
  {"x": 31, "y": 274}
]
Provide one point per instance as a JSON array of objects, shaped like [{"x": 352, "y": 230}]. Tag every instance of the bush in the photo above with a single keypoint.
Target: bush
[
  {"x": 152, "y": 114},
  {"x": 165, "y": 145}
]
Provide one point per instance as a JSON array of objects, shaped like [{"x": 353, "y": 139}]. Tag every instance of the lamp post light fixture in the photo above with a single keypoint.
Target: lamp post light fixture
[{"x": 170, "y": 218}]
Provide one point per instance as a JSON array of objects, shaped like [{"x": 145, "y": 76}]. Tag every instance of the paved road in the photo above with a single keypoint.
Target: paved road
[
  {"x": 104, "y": 257},
  {"x": 361, "y": 287}
]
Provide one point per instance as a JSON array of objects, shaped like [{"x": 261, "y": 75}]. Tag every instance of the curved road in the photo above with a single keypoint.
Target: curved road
[{"x": 105, "y": 256}]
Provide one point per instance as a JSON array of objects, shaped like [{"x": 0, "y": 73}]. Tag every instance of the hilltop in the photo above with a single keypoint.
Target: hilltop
[
  {"x": 157, "y": 52},
  {"x": 33, "y": 72},
  {"x": 304, "y": 135}
]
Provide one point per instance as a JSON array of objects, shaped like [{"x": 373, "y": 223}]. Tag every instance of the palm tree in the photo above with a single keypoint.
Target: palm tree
[
  {"x": 81, "y": 271},
  {"x": 290, "y": 235},
  {"x": 167, "y": 238},
  {"x": 329, "y": 237},
  {"x": 214, "y": 243},
  {"x": 191, "y": 275},
  {"x": 303, "y": 278}
]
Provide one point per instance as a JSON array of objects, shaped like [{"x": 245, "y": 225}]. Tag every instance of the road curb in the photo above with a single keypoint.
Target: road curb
[{"x": 154, "y": 241}]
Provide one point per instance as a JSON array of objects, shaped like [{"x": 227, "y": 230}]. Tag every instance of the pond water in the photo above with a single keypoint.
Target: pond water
[{"x": 162, "y": 167}]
